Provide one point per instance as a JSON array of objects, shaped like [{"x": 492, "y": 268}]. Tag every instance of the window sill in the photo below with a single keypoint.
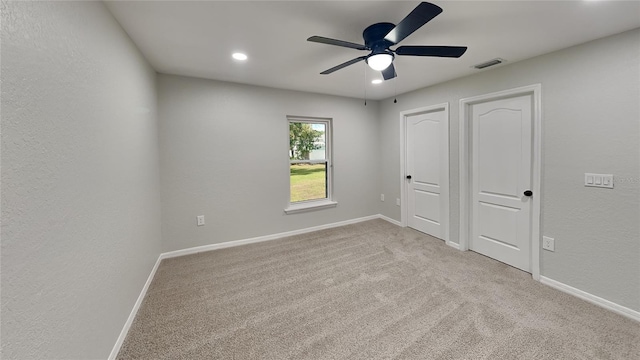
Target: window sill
[{"x": 310, "y": 206}]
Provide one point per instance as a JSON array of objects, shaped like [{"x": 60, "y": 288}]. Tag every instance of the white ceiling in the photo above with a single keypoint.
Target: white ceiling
[{"x": 197, "y": 38}]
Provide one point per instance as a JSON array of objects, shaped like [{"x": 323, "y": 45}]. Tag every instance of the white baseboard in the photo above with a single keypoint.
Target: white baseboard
[
  {"x": 134, "y": 311},
  {"x": 388, "y": 219},
  {"x": 233, "y": 243},
  {"x": 453, "y": 245},
  {"x": 611, "y": 306}
]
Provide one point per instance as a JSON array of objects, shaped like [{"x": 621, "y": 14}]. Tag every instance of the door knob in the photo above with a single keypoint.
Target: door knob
[
  {"x": 528, "y": 193},
  {"x": 408, "y": 177}
]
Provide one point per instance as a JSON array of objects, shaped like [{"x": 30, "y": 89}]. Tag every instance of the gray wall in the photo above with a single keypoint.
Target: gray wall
[
  {"x": 224, "y": 154},
  {"x": 80, "y": 179},
  {"x": 590, "y": 101},
  {"x": 81, "y": 168}
]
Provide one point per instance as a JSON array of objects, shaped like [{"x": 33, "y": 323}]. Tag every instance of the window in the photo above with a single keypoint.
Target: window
[{"x": 310, "y": 169}]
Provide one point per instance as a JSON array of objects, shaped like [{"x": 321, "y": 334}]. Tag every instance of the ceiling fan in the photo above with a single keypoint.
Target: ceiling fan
[{"x": 379, "y": 37}]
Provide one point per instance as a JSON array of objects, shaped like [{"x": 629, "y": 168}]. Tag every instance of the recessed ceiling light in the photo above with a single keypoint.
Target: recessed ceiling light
[
  {"x": 239, "y": 56},
  {"x": 376, "y": 81}
]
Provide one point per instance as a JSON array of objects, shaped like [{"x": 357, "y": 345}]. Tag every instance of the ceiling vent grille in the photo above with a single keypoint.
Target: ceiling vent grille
[{"x": 489, "y": 63}]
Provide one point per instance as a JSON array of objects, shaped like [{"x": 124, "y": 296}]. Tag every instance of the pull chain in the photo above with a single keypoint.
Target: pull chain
[
  {"x": 365, "y": 85},
  {"x": 395, "y": 86}
]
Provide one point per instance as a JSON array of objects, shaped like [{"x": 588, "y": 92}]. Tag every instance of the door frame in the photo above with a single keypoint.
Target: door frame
[
  {"x": 444, "y": 189},
  {"x": 536, "y": 174}
]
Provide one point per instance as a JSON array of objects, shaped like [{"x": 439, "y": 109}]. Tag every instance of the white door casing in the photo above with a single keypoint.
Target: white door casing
[
  {"x": 425, "y": 157},
  {"x": 500, "y": 141}
]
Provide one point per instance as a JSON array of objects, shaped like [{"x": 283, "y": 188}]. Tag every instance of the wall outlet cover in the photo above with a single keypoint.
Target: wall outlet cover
[
  {"x": 548, "y": 243},
  {"x": 200, "y": 220}
]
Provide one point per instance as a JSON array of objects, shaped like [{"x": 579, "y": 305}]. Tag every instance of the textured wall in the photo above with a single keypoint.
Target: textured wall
[
  {"x": 224, "y": 155},
  {"x": 591, "y": 112},
  {"x": 80, "y": 179}
]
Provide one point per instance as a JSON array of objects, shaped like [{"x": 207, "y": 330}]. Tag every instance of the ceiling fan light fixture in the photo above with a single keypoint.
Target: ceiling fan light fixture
[{"x": 380, "y": 62}]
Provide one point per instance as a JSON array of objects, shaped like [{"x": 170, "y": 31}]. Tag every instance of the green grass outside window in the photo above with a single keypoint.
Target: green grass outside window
[{"x": 308, "y": 182}]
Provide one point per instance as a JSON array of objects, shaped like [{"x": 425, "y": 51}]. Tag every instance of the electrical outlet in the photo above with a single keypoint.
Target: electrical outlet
[
  {"x": 398, "y": 202},
  {"x": 381, "y": 197},
  {"x": 548, "y": 243},
  {"x": 200, "y": 219}
]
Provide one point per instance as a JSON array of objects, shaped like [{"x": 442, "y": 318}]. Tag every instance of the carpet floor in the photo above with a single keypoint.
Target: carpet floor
[{"x": 371, "y": 290}]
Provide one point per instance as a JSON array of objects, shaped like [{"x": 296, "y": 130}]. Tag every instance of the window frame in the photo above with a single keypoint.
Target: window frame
[{"x": 316, "y": 204}]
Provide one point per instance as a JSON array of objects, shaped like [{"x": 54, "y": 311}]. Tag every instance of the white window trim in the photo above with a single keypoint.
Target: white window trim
[
  {"x": 304, "y": 206},
  {"x": 328, "y": 202}
]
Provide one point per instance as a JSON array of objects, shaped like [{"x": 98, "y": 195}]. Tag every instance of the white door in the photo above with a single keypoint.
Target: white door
[
  {"x": 501, "y": 160},
  {"x": 427, "y": 172}
]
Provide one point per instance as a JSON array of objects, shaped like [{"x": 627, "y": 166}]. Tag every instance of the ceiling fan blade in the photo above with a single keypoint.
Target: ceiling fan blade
[
  {"x": 343, "y": 65},
  {"x": 439, "y": 51},
  {"x": 389, "y": 72},
  {"x": 421, "y": 15},
  {"x": 329, "y": 41}
]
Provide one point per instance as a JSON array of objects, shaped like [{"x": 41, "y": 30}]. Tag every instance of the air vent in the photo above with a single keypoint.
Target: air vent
[{"x": 493, "y": 62}]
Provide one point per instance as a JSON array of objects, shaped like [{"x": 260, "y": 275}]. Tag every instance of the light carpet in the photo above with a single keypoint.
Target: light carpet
[{"x": 371, "y": 290}]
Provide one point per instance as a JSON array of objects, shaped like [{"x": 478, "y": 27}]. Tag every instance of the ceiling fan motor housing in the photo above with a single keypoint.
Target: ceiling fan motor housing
[{"x": 374, "y": 37}]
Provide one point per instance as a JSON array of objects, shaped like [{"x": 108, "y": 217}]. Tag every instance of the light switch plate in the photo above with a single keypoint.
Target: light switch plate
[{"x": 598, "y": 180}]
